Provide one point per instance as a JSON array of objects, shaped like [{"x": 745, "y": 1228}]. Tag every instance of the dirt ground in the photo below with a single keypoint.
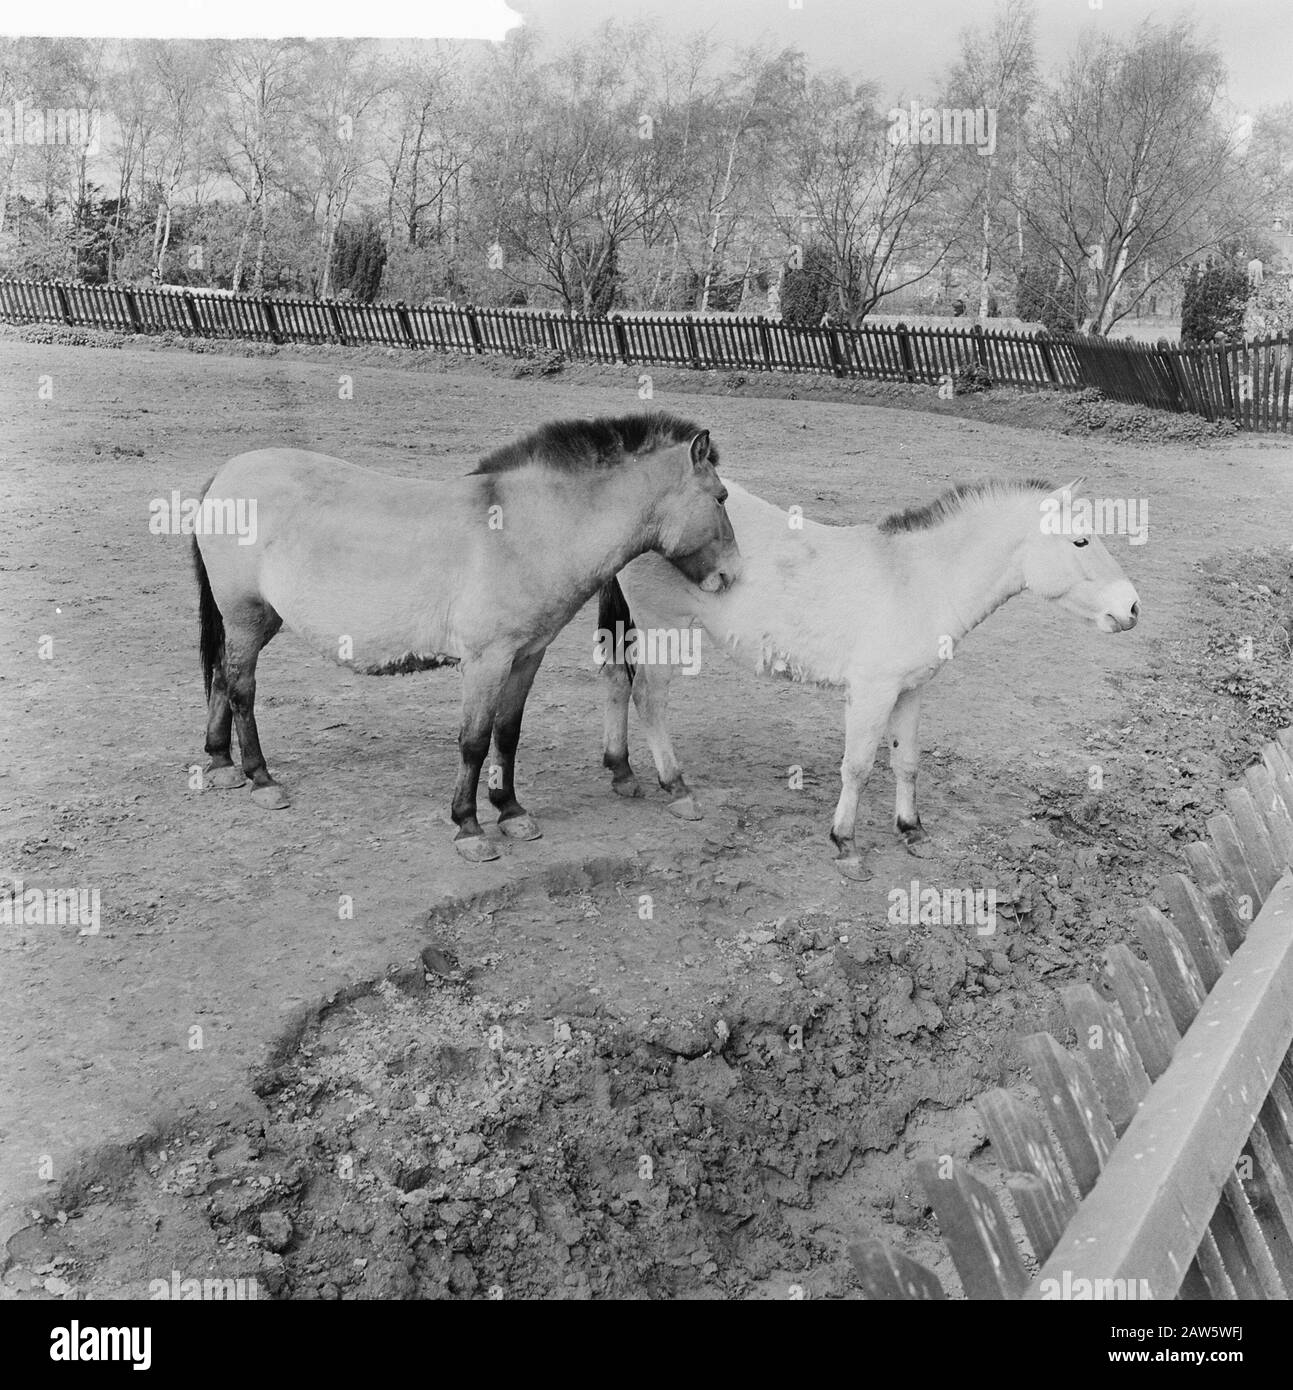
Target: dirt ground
[{"x": 515, "y": 1079}]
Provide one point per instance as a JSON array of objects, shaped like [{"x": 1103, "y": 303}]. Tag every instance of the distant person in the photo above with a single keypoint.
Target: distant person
[{"x": 1254, "y": 271}]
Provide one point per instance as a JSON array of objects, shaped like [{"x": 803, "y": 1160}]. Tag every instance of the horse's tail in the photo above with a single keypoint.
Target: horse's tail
[
  {"x": 613, "y": 610},
  {"x": 210, "y": 620}
]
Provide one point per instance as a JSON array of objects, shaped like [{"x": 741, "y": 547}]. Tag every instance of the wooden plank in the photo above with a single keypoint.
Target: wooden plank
[
  {"x": 975, "y": 1229},
  {"x": 1193, "y": 919},
  {"x": 1209, "y": 1263},
  {"x": 1260, "y": 1260},
  {"x": 888, "y": 1275},
  {"x": 1235, "y": 868},
  {"x": 1170, "y": 960},
  {"x": 1072, "y": 1103},
  {"x": 1205, "y": 868},
  {"x": 1145, "y": 1009},
  {"x": 1271, "y": 806},
  {"x": 1271, "y": 1173},
  {"x": 1042, "y": 1220},
  {"x": 1159, "y": 1189},
  {"x": 1276, "y": 762},
  {"x": 1043, "y": 1197},
  {"x": 1105, "y": 1044},
  {"x": 1255, "y": 838}
]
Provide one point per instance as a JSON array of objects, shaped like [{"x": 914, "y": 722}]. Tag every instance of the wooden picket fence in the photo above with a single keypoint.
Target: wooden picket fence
[
  {"x": 1248, "y": 383},
  {"x": 1167, "y": 1168}
]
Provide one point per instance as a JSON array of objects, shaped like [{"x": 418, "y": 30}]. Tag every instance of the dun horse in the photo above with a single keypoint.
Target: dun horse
[
  {"x": 876, "y": 610},
  {"x": 389, "y": 574}
]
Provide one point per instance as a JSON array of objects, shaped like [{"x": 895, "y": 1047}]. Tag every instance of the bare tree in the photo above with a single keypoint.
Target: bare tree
[
  {"x": 432, "y": 144},
  {"x": 1131, "y": 165},
  {"x": 577, "y": 174},
  {"x": 258, "y": 99},
  {"x": 875, "y": 202},
  {"x": 345, "y": 79},
  {"x": 997, "y": 70},
  {"x": 741, "y": 133},
  {"x": 180, "y": 79}
]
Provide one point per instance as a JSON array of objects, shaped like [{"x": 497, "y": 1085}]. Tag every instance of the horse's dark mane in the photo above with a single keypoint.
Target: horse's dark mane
[
  {"x": 952, "y": 502},
  {"x": 575, "y": 446}
]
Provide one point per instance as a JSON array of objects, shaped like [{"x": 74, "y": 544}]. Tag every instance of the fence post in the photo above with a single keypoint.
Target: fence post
[
  {"x": 904, "y": 347},
  {"x": 473, "y": 328},
  {"x": 337, "y": 326},
  {"x": 406, "y": 323},
  {"x": 271, "y": 318},
  {"x": 765, "y": 344},
  {"x": 1168, "y": 358},
  {"x": 1227, "y": 394},
  {"x": 621, "y": 339},
  {"x": 1043, "y": 343},
  {"x": 64, "y": 303},
  {"x": 980, "y": 346},
  {"x": 833, "y": 346},
  {"x": 132, "y": 308},
  {"x": 191, "y": 305},
  {"x": 691, "y": 343}
]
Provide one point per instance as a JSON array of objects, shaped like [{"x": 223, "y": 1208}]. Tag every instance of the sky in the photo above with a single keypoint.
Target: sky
[{"x": 906, "y": 44}]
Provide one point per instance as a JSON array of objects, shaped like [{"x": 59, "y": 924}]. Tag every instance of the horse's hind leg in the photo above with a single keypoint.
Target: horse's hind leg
[
  {"x": 651, "y": 696},
  {"x": 245, "y": 636},
  {"x": 904, "y": 759},
  {"x": 221, "y": 772},
  {"x": 615, "y": 729},
  {"x": 513, "y": 819}
]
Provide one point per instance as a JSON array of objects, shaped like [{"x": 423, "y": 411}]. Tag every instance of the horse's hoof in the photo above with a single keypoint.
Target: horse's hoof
[
  {"x": 476, "y": 848},
  {"x": 521, "y": 828},
  {"x": 685, "y": 808},
  {"x": 913, "y": 834},
  {"x": 853, "y": 866},
  {"x": 627, "y": 786},
  {"x": 270, "y": 798},
  {"x": 225, "y": 778}
]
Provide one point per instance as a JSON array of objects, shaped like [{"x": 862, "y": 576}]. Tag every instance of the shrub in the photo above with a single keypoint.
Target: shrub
[
  {"x": 358, "y": 261},
  {"x": 1039, "y": 300},
  {"x": 808, "y": 292},
  {"x": 1214, "y": 302}
]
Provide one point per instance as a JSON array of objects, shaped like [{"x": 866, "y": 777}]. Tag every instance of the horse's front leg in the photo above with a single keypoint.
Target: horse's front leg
[
  {"x": 651, "y": 696},
  {"x": 483, "y": 681},
  {"x": 513, "y": 819},
  {"x": 864, "y": 722},
  {"x": 904, "y": 759}
]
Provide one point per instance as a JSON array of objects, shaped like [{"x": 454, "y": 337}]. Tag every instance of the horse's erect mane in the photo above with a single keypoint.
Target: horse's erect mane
[
  {"x": 955, "y": 500},
  {"x": 575, "y": 446}
]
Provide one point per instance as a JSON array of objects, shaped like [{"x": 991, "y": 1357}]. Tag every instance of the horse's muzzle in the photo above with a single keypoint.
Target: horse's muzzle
[
  {"x": 721, "y": 579},
  {"x": 1121, "y": 622}
]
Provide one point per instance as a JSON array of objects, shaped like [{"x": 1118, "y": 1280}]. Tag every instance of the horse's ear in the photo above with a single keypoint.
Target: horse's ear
[{"x": 700, "y": 449}]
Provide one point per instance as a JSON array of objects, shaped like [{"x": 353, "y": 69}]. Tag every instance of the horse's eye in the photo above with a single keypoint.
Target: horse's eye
[
  {"x": 1083, "y": 540},
  {"x": 722, "y": 497}
]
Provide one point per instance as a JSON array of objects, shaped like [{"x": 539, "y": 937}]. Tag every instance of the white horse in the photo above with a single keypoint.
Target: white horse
[{"x": 875, "y": 609}]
